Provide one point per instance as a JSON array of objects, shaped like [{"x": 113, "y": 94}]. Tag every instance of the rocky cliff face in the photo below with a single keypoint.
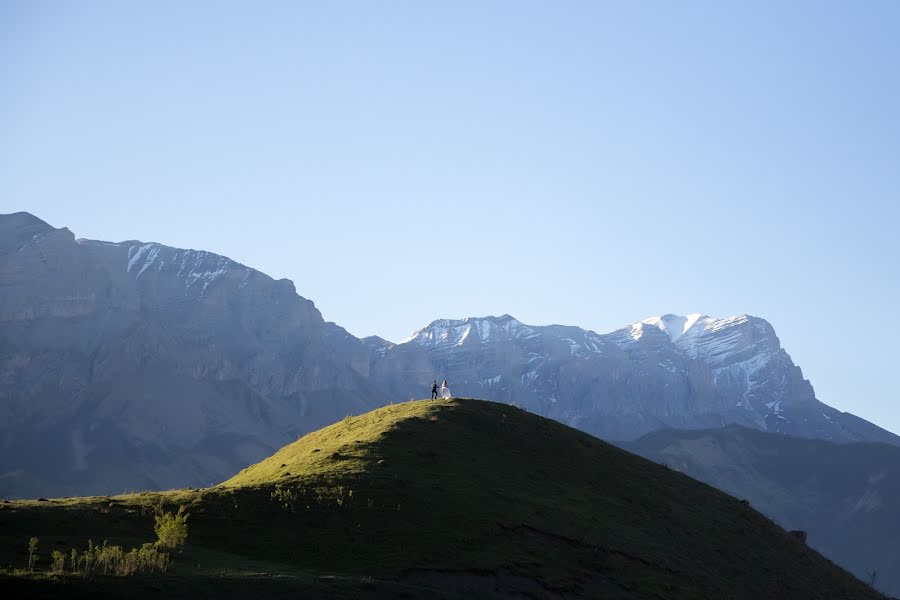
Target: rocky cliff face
[
  {"x": 133, "y": 366},
  {"x": 683, "y": 372}
]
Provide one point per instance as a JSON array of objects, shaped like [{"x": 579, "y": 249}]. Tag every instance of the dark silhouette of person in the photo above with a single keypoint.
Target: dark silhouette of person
[{"x": 434, "y": 390}]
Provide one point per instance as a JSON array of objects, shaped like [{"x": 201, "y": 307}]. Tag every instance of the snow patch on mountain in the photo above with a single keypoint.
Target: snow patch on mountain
[
  {"x": 673, "y": 325},
  {"x": 529, "y": 378},
  {"x": 201, "y": 267},
  {"x": 135, "y": 253},
  {"x": 195, "y": 267},
  {"x": 454, "y": 332}
]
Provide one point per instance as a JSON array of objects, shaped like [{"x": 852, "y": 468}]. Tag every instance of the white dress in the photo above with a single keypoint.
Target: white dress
[{"x": 445, "y": 392}]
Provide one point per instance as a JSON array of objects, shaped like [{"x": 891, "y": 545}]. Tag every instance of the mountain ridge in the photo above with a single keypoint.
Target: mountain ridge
[
  {"x": 171, "y": 366},
  {"x": 728, "y": 370}
]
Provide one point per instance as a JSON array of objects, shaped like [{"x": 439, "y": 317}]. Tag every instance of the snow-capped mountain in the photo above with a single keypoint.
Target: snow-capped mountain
[
  {"x": 135, "y": 365},
  {"x": 688, "y": 372}
]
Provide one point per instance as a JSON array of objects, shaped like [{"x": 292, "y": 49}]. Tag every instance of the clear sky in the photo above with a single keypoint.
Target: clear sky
[{"x": 582, "y": 163}]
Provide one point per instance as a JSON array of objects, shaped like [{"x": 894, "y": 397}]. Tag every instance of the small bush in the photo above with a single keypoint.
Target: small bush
[
  {"x": 58, "y": 561},
  {"x": 151, "y": 559},
  {"x": 285, "y": 497},
  {"x": 171, "y": 529},
  {"x": 799, "y": 534}
]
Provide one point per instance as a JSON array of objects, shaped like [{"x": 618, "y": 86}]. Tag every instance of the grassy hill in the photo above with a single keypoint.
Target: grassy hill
[{"x": 444, "y": 499}]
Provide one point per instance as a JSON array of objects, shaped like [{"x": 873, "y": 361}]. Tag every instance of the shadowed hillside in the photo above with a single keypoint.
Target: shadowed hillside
[
  {"x": 452, "y": 498},
  {"x": 847, "y": 496}
]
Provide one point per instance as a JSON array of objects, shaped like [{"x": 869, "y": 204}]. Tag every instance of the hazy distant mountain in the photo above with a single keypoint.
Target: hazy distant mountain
[
  {"x": 846, "y": 496},
  {"x": 134, "y": 365},
  {"x": 689, "y": 372}
]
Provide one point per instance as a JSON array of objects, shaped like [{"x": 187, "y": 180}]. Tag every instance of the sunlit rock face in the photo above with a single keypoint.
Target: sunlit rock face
[{"x": 669, "y": 371}]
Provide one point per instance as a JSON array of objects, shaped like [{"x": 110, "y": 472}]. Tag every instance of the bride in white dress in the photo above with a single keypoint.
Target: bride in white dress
[{"x": 445, "y": 390}]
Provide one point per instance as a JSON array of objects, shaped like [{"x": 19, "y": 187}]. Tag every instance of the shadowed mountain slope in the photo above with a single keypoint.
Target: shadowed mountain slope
[{"x": 130, "y": 366}]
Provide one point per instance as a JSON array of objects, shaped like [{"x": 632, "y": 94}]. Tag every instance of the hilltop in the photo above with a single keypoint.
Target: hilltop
[{"x": 454, "y": 498}]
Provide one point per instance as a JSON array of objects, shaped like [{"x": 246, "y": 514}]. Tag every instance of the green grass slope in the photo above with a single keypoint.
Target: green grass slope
[{"x": 444, "y": 499}]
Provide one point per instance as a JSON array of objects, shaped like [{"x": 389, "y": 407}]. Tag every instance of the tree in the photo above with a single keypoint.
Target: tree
[
  {"x": 873, "y": 575},
  {"x": 32, "y": 553},
  {"x": 171, "y": 529}
]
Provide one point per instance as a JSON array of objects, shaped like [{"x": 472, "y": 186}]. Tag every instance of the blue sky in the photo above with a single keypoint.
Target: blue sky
[{"x": 583, "y": 163}]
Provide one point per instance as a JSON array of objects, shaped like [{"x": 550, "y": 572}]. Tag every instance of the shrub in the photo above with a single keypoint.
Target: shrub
[
  {"x": 130, "y": 563},
  {"x": 113, "y": 560},
  {"x": 58, "y": 561},
  {"x": 151, "y": 559},
  {"x": 285, "y": 497},
  {"x": 171, "y": 529},
  {"x": 799, "y": 534}
]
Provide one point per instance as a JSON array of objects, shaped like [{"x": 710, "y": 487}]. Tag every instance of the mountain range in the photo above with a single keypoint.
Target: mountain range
[
  {"x": 132, "y": 366},
  {"x": 135, "y": 365},
  {"x": 689, "y": 372}
]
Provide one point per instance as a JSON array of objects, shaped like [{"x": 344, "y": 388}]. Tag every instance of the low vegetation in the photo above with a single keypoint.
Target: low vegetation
[{"x": 107, "y": 559}]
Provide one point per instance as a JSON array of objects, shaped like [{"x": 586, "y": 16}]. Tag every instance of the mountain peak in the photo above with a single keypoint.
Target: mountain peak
[
  {"x": 676, "y": 326},
  {"x": 22, "y": 219},
  {"x": 21, "y": 229},
  {"x": 454, "y": 332},
  {"x": 680, "y": 329}
]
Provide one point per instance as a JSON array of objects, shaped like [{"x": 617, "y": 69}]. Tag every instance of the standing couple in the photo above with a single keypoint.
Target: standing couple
[{"x": 445, "y": 390}]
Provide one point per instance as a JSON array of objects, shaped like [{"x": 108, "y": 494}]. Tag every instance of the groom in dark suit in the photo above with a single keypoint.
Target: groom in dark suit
[{"x": 434, "y": 390}]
